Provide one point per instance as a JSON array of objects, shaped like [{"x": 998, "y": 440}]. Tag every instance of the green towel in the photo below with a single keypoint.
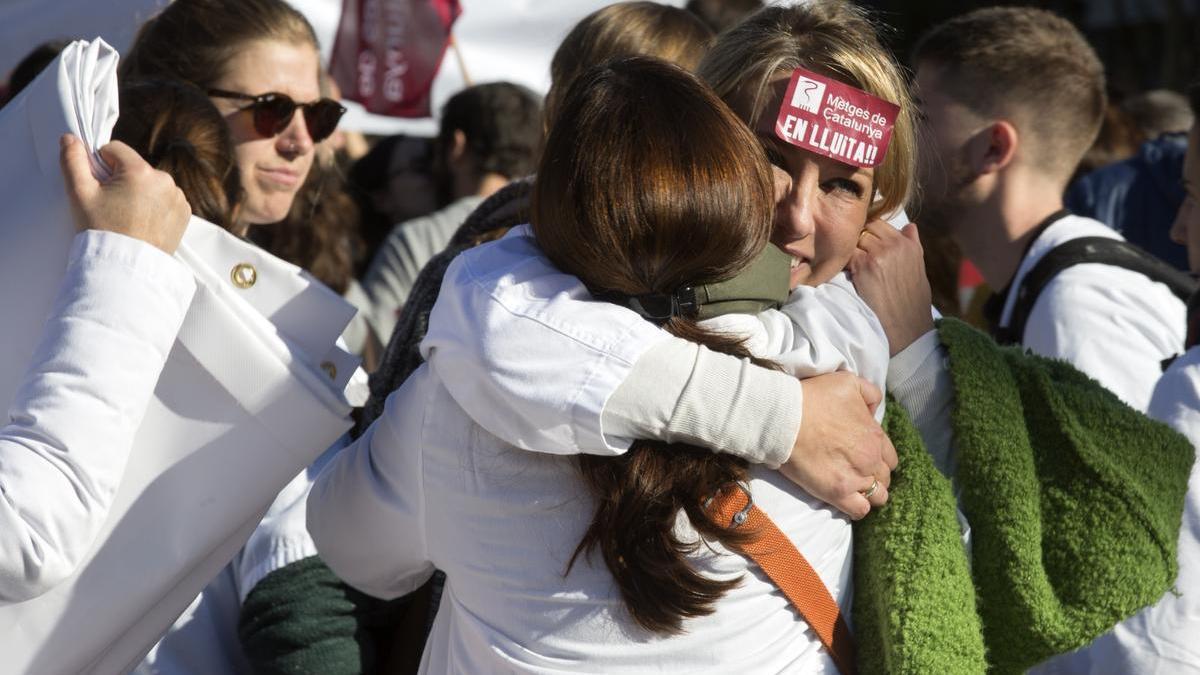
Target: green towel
[{"x": 1075, "y": 502}]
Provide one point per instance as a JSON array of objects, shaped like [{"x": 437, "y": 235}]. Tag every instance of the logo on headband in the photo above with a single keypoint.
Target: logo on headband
[{"x": 836, "y": 120}]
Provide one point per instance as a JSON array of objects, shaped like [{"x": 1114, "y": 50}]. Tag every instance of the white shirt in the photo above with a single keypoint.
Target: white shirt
[
  {"x": 820, "y": 329},
  {"x": 1113, "y": 324},
  {"x": 73, "y": 420},
  {"x": 456, "y": 496},
  {"x": 427, "y": 487},
  {"x": 528, "y": 354}
]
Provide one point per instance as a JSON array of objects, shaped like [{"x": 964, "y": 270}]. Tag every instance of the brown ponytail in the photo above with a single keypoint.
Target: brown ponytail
[
  {"x": 647, "y": 183},
  {"x": 176, "y": 128}
]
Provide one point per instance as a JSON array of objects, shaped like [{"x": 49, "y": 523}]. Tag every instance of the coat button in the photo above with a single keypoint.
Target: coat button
[
  {"x": 243, "y": 275},
  {"x": 330, "y": 369}
]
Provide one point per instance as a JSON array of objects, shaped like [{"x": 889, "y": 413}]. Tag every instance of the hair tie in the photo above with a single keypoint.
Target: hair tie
[
  {"x": 657, "y": 308},
  {"x": 762, "y": 284}
]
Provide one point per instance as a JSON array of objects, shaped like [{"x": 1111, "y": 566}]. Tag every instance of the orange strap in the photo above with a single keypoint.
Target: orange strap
[{"x": 791, "y": 572}]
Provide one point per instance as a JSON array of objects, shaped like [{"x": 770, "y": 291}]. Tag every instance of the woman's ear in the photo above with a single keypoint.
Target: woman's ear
[{"x": 997, "y": 146}]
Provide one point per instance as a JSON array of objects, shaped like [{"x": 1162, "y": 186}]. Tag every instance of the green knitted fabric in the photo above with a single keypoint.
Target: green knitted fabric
[
  {"x": 302, "y": 619},
  {"x": 914, "y": 605},
  {"x": 1074, "y": 501}
]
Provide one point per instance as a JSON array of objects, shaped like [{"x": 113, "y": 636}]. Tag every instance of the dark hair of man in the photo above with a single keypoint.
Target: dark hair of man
[
  {"x": 684, "y": 196},
  {"x": 178, "y": 130},
  {"x": 1029, "y": 65},
  {"x": 502, "y": 125}
]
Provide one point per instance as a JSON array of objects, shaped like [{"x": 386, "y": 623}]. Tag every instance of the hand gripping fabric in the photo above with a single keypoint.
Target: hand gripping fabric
[{"x": 788, "y": 569}]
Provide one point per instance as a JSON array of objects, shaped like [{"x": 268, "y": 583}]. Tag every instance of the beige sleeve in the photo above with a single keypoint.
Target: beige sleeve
[{"x": 681, "y": 392}]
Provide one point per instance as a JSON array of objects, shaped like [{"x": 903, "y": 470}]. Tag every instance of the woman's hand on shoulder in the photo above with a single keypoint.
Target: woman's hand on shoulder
[
  {"x": 888, "y": 269},
  {"x": 841, "y": 451},
  {"x": 137, "y": 201}
]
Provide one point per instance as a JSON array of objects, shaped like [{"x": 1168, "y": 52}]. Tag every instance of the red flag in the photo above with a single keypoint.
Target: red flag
[{"x": 388, "y": 51}]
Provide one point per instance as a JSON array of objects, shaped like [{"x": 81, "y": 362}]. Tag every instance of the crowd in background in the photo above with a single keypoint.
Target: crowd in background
[{"x": 506, "y": 275}]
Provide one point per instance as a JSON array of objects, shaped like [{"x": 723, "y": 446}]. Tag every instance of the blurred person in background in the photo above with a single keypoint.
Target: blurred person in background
[
  {"x": 178, "y": 130},
  {"x": 1159, "y": 111},
  {"x": 1002, "y": 147},
  {"x": 490, "y": 135},
  {"x": 392, "y": 183},
  {"x": 1139, "y": 197},
  {"x": 1162, "y": 638},
  {"x": 1117, "y": 140}
]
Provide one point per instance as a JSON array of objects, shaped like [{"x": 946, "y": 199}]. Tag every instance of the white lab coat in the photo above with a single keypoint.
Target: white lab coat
[
  {"x": 1113, "y": 324},
  {"x": 426, "y": 486},
  {"x": 252, "y": 391},
  {"x": 72, "y": 421}
]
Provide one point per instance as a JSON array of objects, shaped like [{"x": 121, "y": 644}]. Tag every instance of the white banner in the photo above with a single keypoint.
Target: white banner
[{"x": 252, "y": 392}]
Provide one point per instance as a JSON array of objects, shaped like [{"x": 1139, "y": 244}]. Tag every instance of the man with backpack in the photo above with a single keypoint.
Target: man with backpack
[{"x": 1013, "y": 97}]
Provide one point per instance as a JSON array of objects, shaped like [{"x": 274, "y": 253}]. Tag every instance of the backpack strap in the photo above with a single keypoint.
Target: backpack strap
[
  {"x": 1102, "y": 250},
  {"x": 788, "y": 569}
]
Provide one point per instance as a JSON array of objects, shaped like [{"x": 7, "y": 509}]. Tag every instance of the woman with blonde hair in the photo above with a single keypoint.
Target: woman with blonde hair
[{"x": 600, "y": 376}]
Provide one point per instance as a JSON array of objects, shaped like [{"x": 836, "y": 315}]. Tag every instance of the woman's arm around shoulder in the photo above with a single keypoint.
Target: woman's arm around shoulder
[
  {"x": 73, "y": 418},
  {"x": 366, "y": 510}
]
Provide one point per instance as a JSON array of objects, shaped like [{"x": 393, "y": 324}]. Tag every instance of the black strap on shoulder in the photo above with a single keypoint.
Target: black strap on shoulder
[{"x": 1102, "y": 250}]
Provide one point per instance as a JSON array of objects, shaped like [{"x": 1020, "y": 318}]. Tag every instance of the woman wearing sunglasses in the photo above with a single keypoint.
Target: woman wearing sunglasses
[{"x": 258, "y": 61}]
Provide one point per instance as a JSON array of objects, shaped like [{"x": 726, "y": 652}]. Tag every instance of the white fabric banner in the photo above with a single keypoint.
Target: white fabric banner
[{"x": 255, "y": 389}]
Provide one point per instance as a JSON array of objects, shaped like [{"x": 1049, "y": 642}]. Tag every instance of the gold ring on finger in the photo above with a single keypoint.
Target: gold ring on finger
[{"x": 871, "y": 490}]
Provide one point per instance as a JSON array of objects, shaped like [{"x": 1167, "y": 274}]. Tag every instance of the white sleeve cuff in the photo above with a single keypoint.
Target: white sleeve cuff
[
  {"x": 904, "y": 365},
  {"x": 920, "y": 380},
  {"x": 163, "y": 273}
]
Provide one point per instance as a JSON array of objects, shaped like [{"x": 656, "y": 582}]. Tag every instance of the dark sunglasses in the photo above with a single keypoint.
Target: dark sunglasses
[{"x": 273, "y": 113}]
